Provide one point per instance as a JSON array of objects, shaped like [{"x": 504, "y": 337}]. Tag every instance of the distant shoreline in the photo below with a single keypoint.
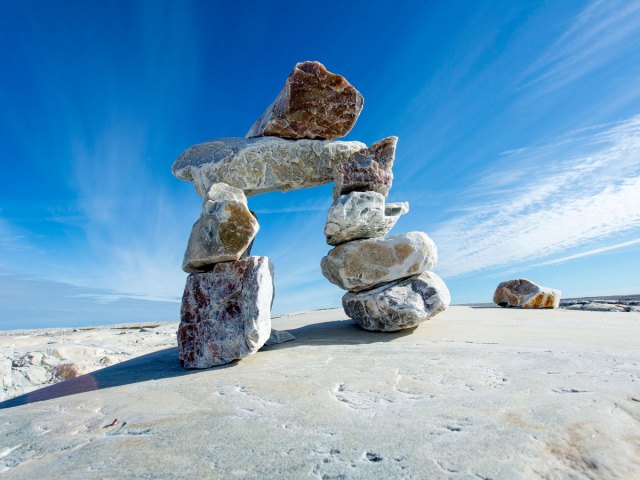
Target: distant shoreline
[{"x": 628, "y": 300}]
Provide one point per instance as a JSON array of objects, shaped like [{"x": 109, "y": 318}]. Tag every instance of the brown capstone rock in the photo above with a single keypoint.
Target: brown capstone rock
[
  {"x": 314, "y": 103},
  {"x": 525, "y": 294},
  {"x": 226, "y": 312},
  {"x": 370, "y": 169}
]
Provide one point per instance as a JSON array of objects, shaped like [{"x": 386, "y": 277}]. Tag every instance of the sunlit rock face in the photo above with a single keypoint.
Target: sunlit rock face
[
  {"x": 369, "y": 169},
  {"x": 525, "y": 294},
  {"x": 361, "y": 215},
  {"x": 364, "y": 264},
  {"x": 225, "y": 312},
  {"x": 264, "y": 164},
  {"x": 314, "y": 103},
  {"x": 398, "y": 305},
  {"x": 224, "y": 232}
]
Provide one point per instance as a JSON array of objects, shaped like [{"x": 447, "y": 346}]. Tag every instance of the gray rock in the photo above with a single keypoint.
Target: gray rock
[
  {"x": 525, "y": 294},
  {"x": 264, "y": 164},
  {"x": 226, "y": 313},
  {"x": 370, "y": 169},
  {"x": 223, "y": 232},
  {"x": 361, "y": 215},
  {"x": 364, "y": 264},
  {"x": 398, "y": 305},
  {"x": 279, "y": 336},
  {"x": 314, "y": 103}
]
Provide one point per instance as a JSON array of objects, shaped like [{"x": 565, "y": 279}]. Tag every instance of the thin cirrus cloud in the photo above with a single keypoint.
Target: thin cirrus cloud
[
  {"x": 544, "y": 206},
  {"x": 602, "y": 32}
]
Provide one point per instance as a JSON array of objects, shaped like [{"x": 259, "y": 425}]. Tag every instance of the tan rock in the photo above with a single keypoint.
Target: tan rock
[
  {"x": 224, "y": 231},
  {"x": 525, "y": 294},
  {"x": 364, "y": 264},
  {"x": 314, "y": 103}
]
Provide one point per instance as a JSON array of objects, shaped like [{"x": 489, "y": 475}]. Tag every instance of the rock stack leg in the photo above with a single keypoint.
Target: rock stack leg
[
  {"x": 226, "y": 306},
  {"x": 389, "y": 282}
]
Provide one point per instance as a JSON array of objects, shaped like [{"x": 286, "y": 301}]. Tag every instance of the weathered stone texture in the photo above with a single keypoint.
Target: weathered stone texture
[
  {"x": 225, "y": 313},
  {"x": 361, "y": 215},
  {"x": 370, "y": 169},
  {"x": 313, "y": 103},
  {"x": 398, "y": 305},
  {"x": 525, "y": 294},
  {"x": 224, "y": 231},
  {"x": 265, "y": 164},
  {"x": 364, "y": 264}
]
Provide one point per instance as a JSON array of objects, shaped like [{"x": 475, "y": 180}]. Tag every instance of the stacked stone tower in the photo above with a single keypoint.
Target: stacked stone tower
[{"x": 226, "y": 305}]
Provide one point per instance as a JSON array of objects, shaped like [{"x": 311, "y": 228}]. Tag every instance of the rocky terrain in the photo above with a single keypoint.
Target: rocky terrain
[
  {"x": 623, "y": 303},
  {"x": 472, "y": 393}
]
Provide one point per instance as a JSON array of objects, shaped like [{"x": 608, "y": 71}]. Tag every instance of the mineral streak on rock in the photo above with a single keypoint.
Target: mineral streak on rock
[
  {"x": 525, "y": 294},
  {"x": 369, "y": 169},
  {"x": 361, "y": 215},
  {"x": 224, "y": 231},
  {"x": 265, "y": 164},
  {"x": 247, "y": 252},
  {"x": 398, "y": 305},
  {"x": 225, "y": 313},
  {"x": 314, "y": 104},
  {"x": 364, "y": 264}
]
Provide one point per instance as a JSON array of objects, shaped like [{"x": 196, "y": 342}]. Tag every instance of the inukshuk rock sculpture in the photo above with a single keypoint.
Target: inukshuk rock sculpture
[{"x": 226, "y": 305}]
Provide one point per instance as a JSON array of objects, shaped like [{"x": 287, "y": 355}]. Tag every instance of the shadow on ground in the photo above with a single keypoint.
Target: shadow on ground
[{"x": 164, "y": 363}]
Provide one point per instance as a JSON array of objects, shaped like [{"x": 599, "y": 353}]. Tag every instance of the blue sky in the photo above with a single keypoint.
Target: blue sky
[{"x": 518, "y": 126}]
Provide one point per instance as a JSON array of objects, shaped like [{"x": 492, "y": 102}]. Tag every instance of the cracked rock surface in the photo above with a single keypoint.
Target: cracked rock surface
[
  {"x": 264, "y": 164},
  {"x": 473, "y": 393},
  {"x": 314, "y": 103}
]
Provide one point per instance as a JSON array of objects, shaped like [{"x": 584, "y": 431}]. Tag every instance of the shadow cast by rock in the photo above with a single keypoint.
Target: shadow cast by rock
[
  {"x": 337, "y": 332},
  {"x": 153, "y": 366},
  {"x": 165, "y": 364}
]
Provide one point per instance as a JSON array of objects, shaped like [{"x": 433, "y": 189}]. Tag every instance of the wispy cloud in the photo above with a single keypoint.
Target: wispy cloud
[
  {"x": 580, "y": 189},
  {"x": 604, "y": 31}
]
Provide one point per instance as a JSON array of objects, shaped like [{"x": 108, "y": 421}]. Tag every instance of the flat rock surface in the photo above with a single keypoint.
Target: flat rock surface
[{"x": 473, "y": 393}]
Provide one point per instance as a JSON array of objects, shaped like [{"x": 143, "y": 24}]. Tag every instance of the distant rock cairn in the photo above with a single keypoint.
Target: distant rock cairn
[{"x": 226, "y": 305}]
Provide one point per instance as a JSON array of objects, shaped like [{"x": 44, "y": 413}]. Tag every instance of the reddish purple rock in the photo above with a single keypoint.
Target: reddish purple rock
[
  {"x": 314, "y": 103},
  {"x": 226, "y": 312},
  {"x": 367, "y": 170}
]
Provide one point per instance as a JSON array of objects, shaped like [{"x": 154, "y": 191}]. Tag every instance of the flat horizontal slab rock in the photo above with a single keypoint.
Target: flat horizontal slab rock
[
  {"x": 361, "y": 215},
  {"x": 364, "y": 264},
  {"x": 314, "y": 104},
  {"x": 226, "y": 312},
  {"x": 398, "y": 305},
  {"x": 224, "y": 231},
  {"x": 525, "y": 294},
  {"x": 533, "y": 393},
  {"x": 369, "y": 169},
  {"x": 265, "y": 164}
]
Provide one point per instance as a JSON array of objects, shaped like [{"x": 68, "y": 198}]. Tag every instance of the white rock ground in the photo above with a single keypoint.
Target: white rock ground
[{"x": 475, "y": 393}]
